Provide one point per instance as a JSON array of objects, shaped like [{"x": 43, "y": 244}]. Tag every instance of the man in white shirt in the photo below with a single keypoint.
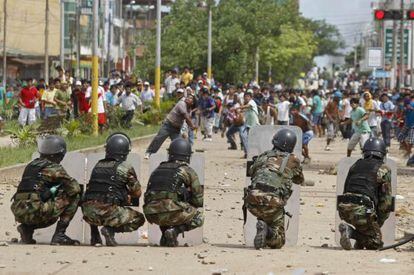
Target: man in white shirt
[
  {"x": 129, "y": 102},
  {"x": 147, "y": 95},
  {"x": 171, "y": 82},
  {"x": 283, "y": 111}
]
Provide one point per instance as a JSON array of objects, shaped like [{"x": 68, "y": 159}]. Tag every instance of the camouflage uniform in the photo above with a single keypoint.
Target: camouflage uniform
[
  {"x": 121, "y": 218},
  {"x": 28, "y": 208},
  {"x": 268, "y": 205},
  {"x": 366, "y": 220},
  {"x": 168, "y": 209}
]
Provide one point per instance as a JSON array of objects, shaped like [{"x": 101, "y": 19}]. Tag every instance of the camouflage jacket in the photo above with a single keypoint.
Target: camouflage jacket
[
  {"x": 127, "y": 174},
  {"x": 266, "y": 170},
  {"x": 56, "y": 174},
  {"x": 189, "y": 178},
  {"x": 385, "y": 193}
]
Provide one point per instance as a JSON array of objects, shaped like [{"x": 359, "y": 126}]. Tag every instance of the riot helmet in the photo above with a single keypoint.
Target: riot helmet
[
  {"x": 374, "y": 147},
  {"x": 180, "y": 149},
  {"x": 52, "y": 147},
  {"x": 284, "y": 140},
  {"x": 118, "y": 146}
]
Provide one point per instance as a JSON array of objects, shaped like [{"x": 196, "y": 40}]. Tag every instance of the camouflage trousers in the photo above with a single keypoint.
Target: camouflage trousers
[
  {"x": 122, "y": 219},
  {"x": 270, "y": 209},
  {"x": 29, "y": 209},
  {"x": 367, "y": 230},
  {"x": 189, "y": 216}
]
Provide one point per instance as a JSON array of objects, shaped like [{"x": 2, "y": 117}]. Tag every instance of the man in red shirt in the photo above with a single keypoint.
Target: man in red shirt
[{"x": 27, "y": 100}]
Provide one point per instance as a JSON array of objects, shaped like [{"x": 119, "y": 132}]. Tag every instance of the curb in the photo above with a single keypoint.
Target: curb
[{"x": 9, "y": 173}]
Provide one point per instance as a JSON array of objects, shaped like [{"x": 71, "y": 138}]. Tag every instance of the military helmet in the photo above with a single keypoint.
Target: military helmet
[
  {"x": 284, "y": 140},
  {"x": 118, "y": 145},
  {"x": 51, "y": 145},
  {"x": 374, "y": 147},
  {"x": 180, "y": 149}
]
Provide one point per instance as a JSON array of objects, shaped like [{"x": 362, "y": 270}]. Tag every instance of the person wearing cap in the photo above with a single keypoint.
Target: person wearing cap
[
  {"x": 251, "y": 115},
  {"x": 111, "y": 188},
  {"x": 207, "y": 105},
  {"x": 46, "y": 194},
  {"x": 147, "y": 95}
]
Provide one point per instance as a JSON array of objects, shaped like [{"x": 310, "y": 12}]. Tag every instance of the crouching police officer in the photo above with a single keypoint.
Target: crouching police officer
[
  {"x": 46, "y": 193},
  {"x": 173, "y": 195},
  {"x": 367, "y": 199},
  {"x": 272, "y": 174},
  {"x": 112, "y": 184}
]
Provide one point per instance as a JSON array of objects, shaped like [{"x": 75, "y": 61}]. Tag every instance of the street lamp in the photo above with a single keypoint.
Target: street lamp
[
  {"x": 158, "y": 57},
  {"x": 204, "y": 4}
]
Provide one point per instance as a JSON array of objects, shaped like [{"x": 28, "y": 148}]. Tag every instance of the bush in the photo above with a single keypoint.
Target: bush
[{"x": 155, "y": 116}]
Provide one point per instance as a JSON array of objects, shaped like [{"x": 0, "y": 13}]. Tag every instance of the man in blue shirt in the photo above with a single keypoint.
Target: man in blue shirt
[
  {"x": 207, "y": 106},
  {"x": 387, "y": 111}
]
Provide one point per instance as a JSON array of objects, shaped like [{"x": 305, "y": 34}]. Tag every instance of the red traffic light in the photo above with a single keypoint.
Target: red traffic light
[
  {"x": 410, "y": 15},
  {"x": 379, "y": 14}
]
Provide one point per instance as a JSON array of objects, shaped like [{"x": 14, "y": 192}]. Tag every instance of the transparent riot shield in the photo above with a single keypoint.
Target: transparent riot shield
[
  {"x": 193, "y": 237},
  {"x": 127, "y": 238},
  {"x": 388, "y": 228},
  {"x": 260, "y": 140},
  {"x": 74, "y": 164}
]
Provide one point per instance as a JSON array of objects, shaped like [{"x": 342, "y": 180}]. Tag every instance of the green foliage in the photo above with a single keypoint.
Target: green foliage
[
  {"x": 24, "y": 136},
  {"x": 155, "y": 116},
  {"x": 71, "y": 128},
  {"x": 240, "y": 29}
]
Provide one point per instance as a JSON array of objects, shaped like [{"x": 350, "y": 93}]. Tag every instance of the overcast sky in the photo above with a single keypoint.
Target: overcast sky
[{"x": 350, "y": 16}]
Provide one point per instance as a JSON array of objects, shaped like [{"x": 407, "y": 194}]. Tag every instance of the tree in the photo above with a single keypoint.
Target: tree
[{"x": 327, "y": 36}]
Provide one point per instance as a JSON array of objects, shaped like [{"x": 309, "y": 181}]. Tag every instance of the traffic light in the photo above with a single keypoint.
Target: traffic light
[
  {"x": 410, "y": 15},
  {"x": 381, "y": 15}
]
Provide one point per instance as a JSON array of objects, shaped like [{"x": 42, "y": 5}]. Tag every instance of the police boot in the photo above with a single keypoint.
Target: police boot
[
  {"x": 60, "y": 238},
  {"x": 170, "y": 237},
  {"x": 95, "y": 236},
  {"x": 26, "y": 234},
  {"x": 346, "y": 236},
  {"x": 109, "y": 234},
  {"x": 261, "y": 235}
]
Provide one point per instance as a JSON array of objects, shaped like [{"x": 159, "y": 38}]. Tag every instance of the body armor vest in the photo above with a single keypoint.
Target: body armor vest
[
  {"x": 105, "y": 185},
  {"x": 274, "y": 179},
  {"x": 362, "y": 178},
  {"x": 32, "y": 180},
  {"x": 164, "y": 178}
]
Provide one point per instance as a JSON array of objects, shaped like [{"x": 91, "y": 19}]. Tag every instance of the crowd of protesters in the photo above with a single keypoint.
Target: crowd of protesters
[{"x": 348, "y": 107}]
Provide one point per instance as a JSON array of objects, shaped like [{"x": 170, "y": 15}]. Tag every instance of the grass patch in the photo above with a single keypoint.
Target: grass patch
[{"x": 10, "y": 156}]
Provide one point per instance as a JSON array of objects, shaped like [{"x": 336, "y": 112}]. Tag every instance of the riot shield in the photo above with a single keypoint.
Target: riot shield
[
  {"x": 260, "y": 140},
  {"x": 127, "y": 238},
  {"x": 193, "y": 237},
  {"x": 74, "y": 164},
  {"x": 388, "y": 228}
]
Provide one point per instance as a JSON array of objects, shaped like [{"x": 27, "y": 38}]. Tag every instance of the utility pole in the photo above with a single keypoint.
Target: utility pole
[
  {"x": 108, "y": 53},
  {"x": 47, "y": 42},
  {"x": 158, "y": 57},
  {"x": 209, "y": 50},
  {"x": 78, "y": 39},
  {"x": 103, "y": 44},
  {"x": 95, "y": 68},
  {"x": 62, "y": 34},
  {"x": 257, "y": 66},
  {"x": 394, "y": 52},
  {"x": 402, "y": 59},
  {"x": 4, "y": 50}
]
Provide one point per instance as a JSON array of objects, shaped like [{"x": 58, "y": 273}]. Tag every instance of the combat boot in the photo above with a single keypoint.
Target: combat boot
[
  {"x": 109, "y": 234},
  {"x": 95, "y": 236},
  {"x": 346, "y": 236},
  {"x": 170, "y": 237},
  {"x": 26, "y": 234},
  {"x": 261, "y": 235},
  {"x": 60, "y": 238}
]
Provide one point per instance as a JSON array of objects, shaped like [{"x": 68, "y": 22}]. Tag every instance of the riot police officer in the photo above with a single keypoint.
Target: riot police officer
[
  {"x": 272, "y": 174},
  {"x": 112, "y": 184},
  {"x": 173, "y": 195},
  {"x": 367, "y": 199},
  {"x": 46, "y": 193}
]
